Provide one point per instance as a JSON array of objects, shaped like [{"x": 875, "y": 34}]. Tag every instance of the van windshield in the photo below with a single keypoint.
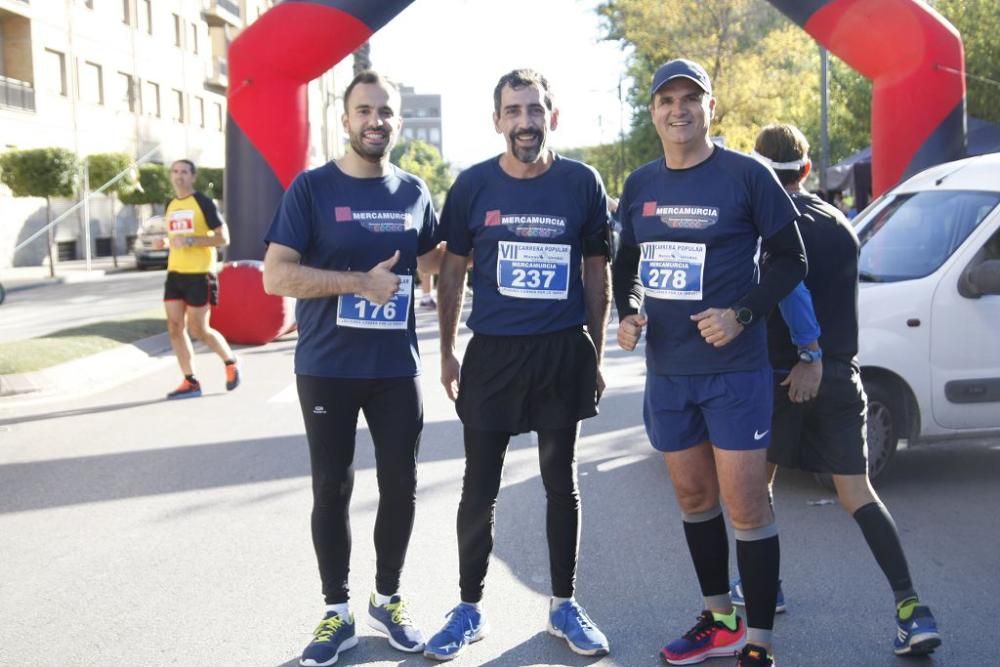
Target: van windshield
[{"x": 910, "y": 235}]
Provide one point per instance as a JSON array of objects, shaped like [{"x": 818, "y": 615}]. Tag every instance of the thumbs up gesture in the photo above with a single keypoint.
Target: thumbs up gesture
[{"x": 381, "y": 283}]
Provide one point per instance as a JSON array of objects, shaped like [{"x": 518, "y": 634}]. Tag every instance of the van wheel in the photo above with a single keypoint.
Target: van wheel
[
  {"x": 886, "y": 420},
  {"x": 884, "y": 425}
]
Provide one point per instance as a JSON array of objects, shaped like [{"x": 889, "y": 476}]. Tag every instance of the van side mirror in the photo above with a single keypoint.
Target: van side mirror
[{"x": 982, "y": 279}]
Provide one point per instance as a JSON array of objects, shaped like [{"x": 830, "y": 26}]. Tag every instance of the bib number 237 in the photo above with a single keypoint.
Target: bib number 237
[{"x": 356, "y": 312}]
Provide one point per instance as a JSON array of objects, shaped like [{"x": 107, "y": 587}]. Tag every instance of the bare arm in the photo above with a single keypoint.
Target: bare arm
[
  {"x": 284, "y": 275},
  {"x": 597, "y": 298},
  {"x": 430, "y": 261},
  {"x": 451, "y": 294}
]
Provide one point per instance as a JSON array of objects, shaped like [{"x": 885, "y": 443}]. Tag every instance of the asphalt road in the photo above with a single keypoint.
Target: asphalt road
[{"x": 139, "y": 532}]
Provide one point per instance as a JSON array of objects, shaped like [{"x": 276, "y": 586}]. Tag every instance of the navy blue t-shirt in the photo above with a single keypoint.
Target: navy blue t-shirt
[
  {"x": 526, "y": 236},
  {"x": 698, "y": 231},
  {"x": 341, "y": 223}
]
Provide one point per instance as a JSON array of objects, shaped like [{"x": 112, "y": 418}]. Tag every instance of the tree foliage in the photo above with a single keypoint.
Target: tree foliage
[
  {"x": 102, "y": 167},
  {"x": 423, "y": 159},
  {"x": 39, "y": 172},
  {"x": 153, "y": 187},
  {"x": 210, "y": 181},
  {"x": 978, "y": 22}
]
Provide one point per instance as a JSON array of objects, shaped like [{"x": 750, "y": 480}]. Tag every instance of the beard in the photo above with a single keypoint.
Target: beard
[
  {"x": 527, "y": 154},
  {"x": 371, "y": 153}
]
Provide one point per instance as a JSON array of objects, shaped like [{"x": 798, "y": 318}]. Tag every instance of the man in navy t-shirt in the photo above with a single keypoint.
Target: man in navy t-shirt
[
  {"x": 692, "y": 223},
  {"x": 536, "y": 226},
  {"x": 346, "y": 242}
]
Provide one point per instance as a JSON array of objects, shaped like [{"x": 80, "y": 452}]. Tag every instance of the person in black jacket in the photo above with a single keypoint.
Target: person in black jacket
[{"x": 820, "y": 407}]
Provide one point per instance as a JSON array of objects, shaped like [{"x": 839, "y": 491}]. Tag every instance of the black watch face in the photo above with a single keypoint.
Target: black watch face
[{"x": 744, "y": 316}]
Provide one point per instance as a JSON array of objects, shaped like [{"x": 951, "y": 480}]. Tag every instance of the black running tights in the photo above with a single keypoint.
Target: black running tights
[
  {"x": 394, "y": 412},
  {"x": 484, "y": 457}
]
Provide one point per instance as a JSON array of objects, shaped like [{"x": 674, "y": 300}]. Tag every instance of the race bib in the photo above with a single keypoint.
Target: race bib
[
  {"x": 533, "y": 270},
  {"x": 672, "y": 270},
  {"x": 181, "y": 222},
  {"x": 356, "y": 312}
]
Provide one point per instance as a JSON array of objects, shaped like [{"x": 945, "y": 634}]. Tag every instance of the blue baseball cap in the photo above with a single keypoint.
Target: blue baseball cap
[{"x": 681, "y": 68}]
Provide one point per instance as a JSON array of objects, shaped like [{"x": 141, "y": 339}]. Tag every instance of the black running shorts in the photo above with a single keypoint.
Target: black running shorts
[
  {"x": 828, "y": 433},
  {"x": 194, "y": 289},
  {"x": 518, "y": 384}
]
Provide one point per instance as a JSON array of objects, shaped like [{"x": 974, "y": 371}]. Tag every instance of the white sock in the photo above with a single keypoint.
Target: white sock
[
  {"x": 478, "y": 606},
  {"x": 381, "y": 599},
  {"x": 554, "y": 604},
  {"x": 343, "y": 609}
]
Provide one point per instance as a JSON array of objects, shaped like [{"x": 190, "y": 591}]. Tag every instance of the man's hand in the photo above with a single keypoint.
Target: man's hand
[
  {"x": 803, "y": 381},
  {"x": 381, "y": 283},
  {"x": 630, "y": 331},
  {"x": 181, "y": 241},
  {"x": 450, "y": 371},
  {"x": 601, "y": 386},
  {"x": 718, "y": 326}
]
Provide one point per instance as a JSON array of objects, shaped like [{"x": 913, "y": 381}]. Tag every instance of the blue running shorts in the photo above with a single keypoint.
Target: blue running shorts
[{"x": 731, "y": 410}]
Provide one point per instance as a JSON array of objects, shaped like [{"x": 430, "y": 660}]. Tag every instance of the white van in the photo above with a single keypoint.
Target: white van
[{"x": 929, "y": 308}]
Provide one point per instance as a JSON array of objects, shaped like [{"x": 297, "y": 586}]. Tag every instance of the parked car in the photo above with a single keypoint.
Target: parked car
[
  {"x": 929, "y": 308},
  {"x": 148, "y": 248}
]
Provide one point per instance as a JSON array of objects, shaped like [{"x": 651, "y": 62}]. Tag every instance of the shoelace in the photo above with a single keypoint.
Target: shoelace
[
  {"x": 328, "y": 627},
  {"x": 400, "y": 614},
  {"x": 582, "y": 618},
  {"x": 459, "y": 621},
  {"x": 704, "y": 624}
]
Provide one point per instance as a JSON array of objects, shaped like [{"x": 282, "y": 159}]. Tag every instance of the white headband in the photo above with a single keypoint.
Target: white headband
[{"x": 781, "y": 166}]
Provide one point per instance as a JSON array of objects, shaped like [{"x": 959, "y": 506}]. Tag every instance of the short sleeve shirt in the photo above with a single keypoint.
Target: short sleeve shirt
[
  {"x": 341, "y": 223},
  {"x": 527, "y": 239},
  {"x": 698, "y": 231}
]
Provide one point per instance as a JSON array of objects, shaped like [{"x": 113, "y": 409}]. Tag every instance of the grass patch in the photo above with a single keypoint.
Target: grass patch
[{"x": 34, "y": 354}]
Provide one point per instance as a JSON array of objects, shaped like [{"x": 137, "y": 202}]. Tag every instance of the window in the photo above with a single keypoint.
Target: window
[
  {"x": 125, "y": 93},
  {"x": 435, "y": 135},
  {"x": 408, "y": 132},
  {"x": 91, "y": 83},
  {"x": 151, "y": 99},
  {"x": 178, "y": 30},
  {"x": 127, "y": 12},
  {"x": 177, "y": 108},
  {"x": 422, "y": 133},
  {"x": 218, "y": 117},
  {"x": 194, "y": 38},
  {"x": 144, "y": 12},
  {"x": 55, "y": 71},
  {"x": 199, "y": 111}
]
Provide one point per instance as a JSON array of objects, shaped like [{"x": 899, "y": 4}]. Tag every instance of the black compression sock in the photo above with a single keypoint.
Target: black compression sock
[
  {"x": 880, "y": 532},
  {"x": 709, "y": 546}
]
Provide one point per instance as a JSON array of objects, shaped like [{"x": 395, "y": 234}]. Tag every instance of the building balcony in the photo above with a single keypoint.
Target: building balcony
[
  {"x": 217, "y": 76},
  {"x": 220, "y": 13},
  {"x": 15, "y": 94}
]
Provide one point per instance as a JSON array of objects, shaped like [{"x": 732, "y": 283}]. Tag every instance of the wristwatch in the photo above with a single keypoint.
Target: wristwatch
[
  {"x": 808, "y": 356},
  {"x": 743, "y": 315}
]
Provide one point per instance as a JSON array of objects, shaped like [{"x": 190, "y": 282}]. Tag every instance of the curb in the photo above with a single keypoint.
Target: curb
[{"x": 102, "y": 370}]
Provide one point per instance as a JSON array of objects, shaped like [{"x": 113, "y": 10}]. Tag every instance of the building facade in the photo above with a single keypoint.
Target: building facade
[{"x": 422, "y": 117}]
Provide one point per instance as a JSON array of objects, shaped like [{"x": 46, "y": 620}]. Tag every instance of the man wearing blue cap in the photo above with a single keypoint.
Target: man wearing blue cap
[{"x": 692, "y": 224}]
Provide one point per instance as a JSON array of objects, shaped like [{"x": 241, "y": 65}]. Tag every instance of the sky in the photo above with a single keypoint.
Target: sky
[{"x": 460, "y": 48}]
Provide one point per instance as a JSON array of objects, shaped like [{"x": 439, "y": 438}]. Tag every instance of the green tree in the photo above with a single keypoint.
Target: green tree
[
  {"x": 153, "y": 187},
  {"x": 423, "y": 159},
  {"x": 101, "y": 168},
  {"x": 978, "y": 22},
  {"x": 40, "y": 172},
  {"x": 210, "y": 181}
]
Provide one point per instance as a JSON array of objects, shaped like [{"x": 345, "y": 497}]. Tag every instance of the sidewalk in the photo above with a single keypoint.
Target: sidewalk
[{"x": 19, "y": 278}]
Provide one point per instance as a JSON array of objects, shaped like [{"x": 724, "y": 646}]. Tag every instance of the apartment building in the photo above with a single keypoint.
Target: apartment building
[
  {"x": 421, "y": 117},
  {"x": 131, "y": 76}
]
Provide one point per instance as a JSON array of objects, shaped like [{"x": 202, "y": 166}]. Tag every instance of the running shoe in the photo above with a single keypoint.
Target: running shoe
[
  {"x": 754, "y": 656},
  {"x": 572, "y": 623},
  {"x": 393, "y": 620},
  {"x": 708, "y": 638},
  {"x": 186, "y": 389},
  {"x": 917, "y": 635},
  {"x": 736, "y": 593},
  {"x": 232, "y": 376},
  {"x": 465, "y": 625},
  {"x": 428, "y": 301},
  {"x": 332, "y": 636}
]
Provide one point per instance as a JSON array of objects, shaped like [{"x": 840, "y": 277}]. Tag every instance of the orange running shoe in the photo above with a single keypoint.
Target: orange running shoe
[
  {"x": 186, "y": 389},
  {"x": 232, "y": 376}
]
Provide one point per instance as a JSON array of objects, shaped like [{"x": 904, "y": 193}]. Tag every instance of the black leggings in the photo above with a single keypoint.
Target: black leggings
[
  {"x": 484, "y": 457},
  {"x": 395, "y": 418}
]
